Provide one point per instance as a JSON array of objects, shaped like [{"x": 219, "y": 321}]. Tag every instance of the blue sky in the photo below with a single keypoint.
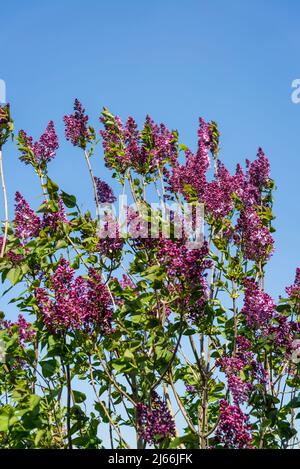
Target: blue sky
[{"x": 232, "y": 61}]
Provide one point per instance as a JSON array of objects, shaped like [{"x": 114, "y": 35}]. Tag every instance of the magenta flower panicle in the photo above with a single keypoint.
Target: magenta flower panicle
[
  {"x": 75, "y": 303},
  {"x": 27, "y": 223},
  {"x": 25, "y": 329},
  {"x": 39, "y": 153},
  {"x": 125, "y": 147},
  {"x": 234, "y": 430},
  {"x": 293, "y": 291},
  {"x": 76, "y": 127},
  {"x": 155, "y": 422},
  {"x": 254, "y": 238},
  {"x": 258, "y": 308},
  {"x": 53, "y": 218},
  {"x": 105, "y": 193}
]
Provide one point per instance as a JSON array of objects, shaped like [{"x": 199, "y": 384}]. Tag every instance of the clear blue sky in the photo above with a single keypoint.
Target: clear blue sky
[{"x": 228, "y": 60}]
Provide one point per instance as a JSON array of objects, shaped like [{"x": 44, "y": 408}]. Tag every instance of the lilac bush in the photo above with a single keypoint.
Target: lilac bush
[{"x": 175, "y": 338}]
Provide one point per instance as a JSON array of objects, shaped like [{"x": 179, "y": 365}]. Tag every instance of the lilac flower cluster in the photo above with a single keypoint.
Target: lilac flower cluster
[
  {"x": 119, "y": 142},
  {"x": 258, "y": 308},
  {"x": 75, "y": 303},
  {"x": 239, "y": 389},
  {"x": 25, "y": 330},
  {"x": 259, "y": 170},
  {"x": 105, "y": 193},
  {"x": 232, "y": 366},
  {"x": 125, "y": 147},
  {"x": 126, "y": 282},
  {"x": 51, "y": 219},
  {"x": 234, "y": 430},
  {"x": 15, "y": 258},
  {"x": 204, "y": 140},
  {"x": 188, "y": 267},
  {"x": 157, "y": 146},
  {"x": 254, "y": 238},
  {"x": 110, "y": 241},
  {"x": 27, "y": 223},
  {"x": 218, "y": 193},
  {"x": 76, "y": 126},
  {"x": 139, "y": 229},
  {"x": 190, "y": 388},
  {"x": 190, "y": 264},
  {"x": 190, "y": 178},
  {"x": 155, "y": 422},
  {"x": 282, "y": 332},
  {"x": 294, "y": 290},
  {"x": 39, "y": 153},
  {"x": 247, "y": 192},
  {"x": 249, "y": 185}
]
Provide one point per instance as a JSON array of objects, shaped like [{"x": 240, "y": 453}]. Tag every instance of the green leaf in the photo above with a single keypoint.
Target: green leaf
[
  {"x": 295, "y": 402},
  {"x": 14, "y": 275},
  {"x": 34, "y": 401},
  {"x": 38, "y": 437},
  {"x": 79, "y": 397},
  {"x": 68, "y": 199},
  {"x": 49, "y": 367},
  {"x": 51, "y": 186},
  {"x": 4, "y": 421}
]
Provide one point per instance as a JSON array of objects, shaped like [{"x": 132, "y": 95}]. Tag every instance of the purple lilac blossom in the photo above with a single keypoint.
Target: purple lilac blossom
[
  {"x": 155, "y": 422},
  {"x": 27, "y": 223},
  {"x": 76, "y": 126},
  {"x": 39, "y": 153},
  {"x": 75, "y": 303}
]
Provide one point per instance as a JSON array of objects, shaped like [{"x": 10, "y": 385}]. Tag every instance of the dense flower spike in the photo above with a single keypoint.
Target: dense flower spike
[
  {"x": 233, "y": 430},
  {"x": 254, "y": 238},
  {"x": 78, "y": 304},
  {"x": 104, "y": 192},
  {"x": 125, "y": 147},
  {"x": 27, "y": 223},
  {"x": 204, "y": 140},
  {"x": 259, "y": 170},
  {"x": 126, "y": 282},
  {"x": 52, "y": 218},
  {"x": 218, "y": 193},
  {"x": 158, "y": 146},
  {"x": 39, "y": 153},
  {"x": 76, "y": 126},
  {"x": 155, "y": 422},
  {"x": 294, "y": 290},
  {"x": 15, "y": 258},
  {"x": 110, "y": 241},
  {"x": 248, "y": 193},
  {"x": 190, "y": 179},
  {"x": 187, "y": 269},
  {"x": 114, "y": 141},
  {"x": 25, "y": 330},
  {"x": 282, "y": 332},
  {"x": 232, "y": 366},
  {"x": 258, "y": 306},
  {"x": 190, "y": 264}
]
